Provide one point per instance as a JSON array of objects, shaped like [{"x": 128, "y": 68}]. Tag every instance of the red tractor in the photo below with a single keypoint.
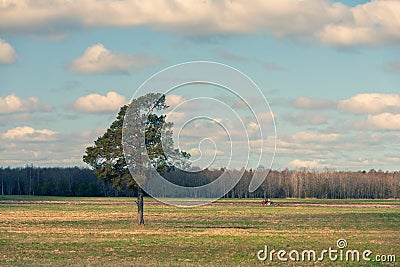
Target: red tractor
[{"x": 268, "y": 202}]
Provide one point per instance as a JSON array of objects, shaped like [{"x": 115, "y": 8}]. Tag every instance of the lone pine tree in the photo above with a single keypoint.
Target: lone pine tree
[{"x": 107, "y": 158}]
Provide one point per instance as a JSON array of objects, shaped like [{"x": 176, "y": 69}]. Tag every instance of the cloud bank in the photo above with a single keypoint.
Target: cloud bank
[
  {"x": 7, "y": 53},
  {"x": 371, "y": 103},
  {"x": 14, "y": 104},
  {"x": 333, "y": 23},
  {"x": 29, "y": 134},
  {"x": 98, "y": 59},
  {"x": 94, "y": 103}
]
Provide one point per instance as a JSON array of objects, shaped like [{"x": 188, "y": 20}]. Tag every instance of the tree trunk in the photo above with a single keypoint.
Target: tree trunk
[{"x": 140, "y": 207}]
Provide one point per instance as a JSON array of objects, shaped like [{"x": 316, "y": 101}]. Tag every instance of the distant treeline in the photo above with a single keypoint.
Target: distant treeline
[
  {"x": 332, "y": 184},
  {"x": 301, "y": 183},
  {"x": 54, "y": 182}
]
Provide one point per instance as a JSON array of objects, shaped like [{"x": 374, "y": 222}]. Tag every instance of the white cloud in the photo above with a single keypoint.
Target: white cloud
[
  {"x": 14, "y": 104},
  {"x": 111, "y": 102},
  {"x": 60, "y": 149},
  {"x": 297, "y": 163},
  {"x": 341, "y": 154},
  {"x": 29, "y": 134},
  {"x": 384, "y": 121},
  {"x": 312, "y": 103},
  {"x": 174, "y": 100},
  {"x": 304, "y": 137},
  {"x": 371, "y": 103},
  {"x": 7, "y": 53},
  {"x": 98, "y": 59},
  {"x": 344, "y": 35},
  {"x": 375, "y": 22},
  {"x": 335, "y": 154}
]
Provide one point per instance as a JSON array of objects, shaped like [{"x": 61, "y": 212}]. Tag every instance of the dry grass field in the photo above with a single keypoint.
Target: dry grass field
[{"x": 54, "y": 231}]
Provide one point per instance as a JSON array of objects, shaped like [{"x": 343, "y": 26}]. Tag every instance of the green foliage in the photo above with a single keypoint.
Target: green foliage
[{"x": 106, "y": 157}]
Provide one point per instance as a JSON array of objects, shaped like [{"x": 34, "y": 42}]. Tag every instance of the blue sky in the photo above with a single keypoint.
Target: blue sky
[{"x": 330, "y": 71}]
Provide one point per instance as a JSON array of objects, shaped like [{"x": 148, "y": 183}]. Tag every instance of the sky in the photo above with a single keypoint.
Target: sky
[{"x": 329, "y": 70}]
